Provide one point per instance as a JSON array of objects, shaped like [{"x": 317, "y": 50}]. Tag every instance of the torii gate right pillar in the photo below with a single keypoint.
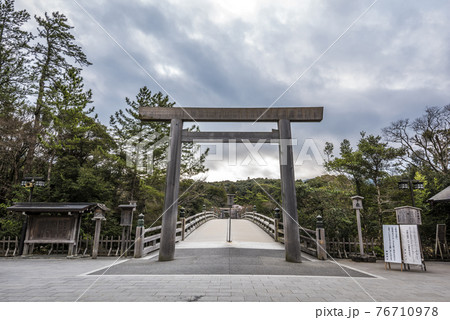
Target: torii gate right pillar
[{"x": 288, "y": 194}]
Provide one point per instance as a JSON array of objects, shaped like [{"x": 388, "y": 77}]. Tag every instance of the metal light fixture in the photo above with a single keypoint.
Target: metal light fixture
[
  {"x": 417, "y": 184},
  {"x": 277, "y": 213},
  {"x": 402, "y": 185},
  {"x": 407, "y": 184},
  {"x": 31, "y": 182}
]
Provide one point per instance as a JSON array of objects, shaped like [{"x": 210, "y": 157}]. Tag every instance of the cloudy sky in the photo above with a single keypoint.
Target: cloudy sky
[{"x": 368, "y": 63}]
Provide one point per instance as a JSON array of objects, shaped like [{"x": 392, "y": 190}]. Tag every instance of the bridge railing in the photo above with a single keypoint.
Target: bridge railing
[
  {"x": 311, "y": 241},
  {"x": 264, "y": 222},
  {"x": 148, "y": 240}
]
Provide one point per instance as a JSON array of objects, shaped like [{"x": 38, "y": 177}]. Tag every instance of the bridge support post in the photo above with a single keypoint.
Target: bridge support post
[
  {"x": 169, "y": 218},
  {"x": 276, "y": 224},
  {"x": 288, "y": 194},
  {"x": 139, "y": 241},
  {"x": 320, "y": 240},
  {"x": 183, "y": 223}
]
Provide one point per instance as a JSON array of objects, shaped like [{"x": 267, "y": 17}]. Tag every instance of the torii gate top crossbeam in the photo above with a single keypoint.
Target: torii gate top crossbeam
[{"x": 293, "y": 114}]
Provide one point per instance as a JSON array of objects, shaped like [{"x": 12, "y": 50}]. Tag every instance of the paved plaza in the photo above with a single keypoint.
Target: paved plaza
[{"x": 207, "y": 269}]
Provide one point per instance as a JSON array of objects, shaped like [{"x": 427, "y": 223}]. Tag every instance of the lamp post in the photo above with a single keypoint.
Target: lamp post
[
  {"x": 405, "y": 184},
  {"x": 357, "y": 205},
  {"x": 28, "y": 182}
]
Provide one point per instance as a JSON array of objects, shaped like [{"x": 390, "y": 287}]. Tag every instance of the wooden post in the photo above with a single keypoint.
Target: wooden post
[
  {"x": 183, "y": 227},
  {"x": 320, "y": 240},
  {"x": 276, "y": 230},
  {"x": 358, "y": 221},
  {"x": 98, "y": 226},
  {"x": 26, "y": 246},
  {"x": 23, "y": 236},
  {"x": 139, "y": 241},
  {"x": 77, "y": 232},
  {"x": 288, "y": 195},
  {"x": 276, "y": 223},
  {"x": 169, "y": 219}
]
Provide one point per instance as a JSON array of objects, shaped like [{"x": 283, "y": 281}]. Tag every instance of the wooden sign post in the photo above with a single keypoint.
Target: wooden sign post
[
  {"x": 441, "y": 247},
  {"x": 357, "y": 205}
]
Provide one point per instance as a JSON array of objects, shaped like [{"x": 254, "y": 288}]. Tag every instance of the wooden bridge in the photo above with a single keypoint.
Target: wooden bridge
[{"x": 252, "y": 230}]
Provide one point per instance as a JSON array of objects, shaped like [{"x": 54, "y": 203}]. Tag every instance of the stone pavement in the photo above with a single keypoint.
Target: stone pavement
[
  {"x": 207, "y": 268},
  {"x": 61, "y": 279}
]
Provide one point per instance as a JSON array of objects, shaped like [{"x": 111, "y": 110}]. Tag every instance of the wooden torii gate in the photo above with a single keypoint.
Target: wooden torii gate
[{"x": 283, "y": 116}]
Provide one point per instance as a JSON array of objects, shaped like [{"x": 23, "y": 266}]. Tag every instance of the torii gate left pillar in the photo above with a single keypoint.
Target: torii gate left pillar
[{"x": 283, "y": 116}]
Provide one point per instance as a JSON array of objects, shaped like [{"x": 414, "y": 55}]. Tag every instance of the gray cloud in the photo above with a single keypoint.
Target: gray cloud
[{"x": 390, "y": 65}]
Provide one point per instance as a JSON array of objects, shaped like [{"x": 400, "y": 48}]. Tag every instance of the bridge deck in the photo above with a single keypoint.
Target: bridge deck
[{"x": 244, "y": 234}]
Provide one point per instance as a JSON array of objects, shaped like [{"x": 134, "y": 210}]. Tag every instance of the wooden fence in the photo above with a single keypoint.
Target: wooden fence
[
  {"x": 109, "y": 246},
  {"x": 337, "y": 248},
  {"x": 9, "y": 247},
  {"x": 344, "y": 248}
]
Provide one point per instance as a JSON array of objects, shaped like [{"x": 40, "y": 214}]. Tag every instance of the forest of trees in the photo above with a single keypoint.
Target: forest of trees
[{"x": 49, "y": 129}]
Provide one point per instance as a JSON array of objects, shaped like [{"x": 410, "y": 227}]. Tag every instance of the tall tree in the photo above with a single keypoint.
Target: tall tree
[
  {"x": 77, "y": 146},
  {"x": 70, "y": 129},
  {"x": 348, "y": 164},
  {"x": 14, "y": 49},
  {"x": 138, "y": 141},
  {"x": 426, "y": 140},
  {"x": 55, "y": 54},
  {"x": 14, "y": 79},
  {"x": 143, "y": 145},
  {"x": 377, "y": 161},
  {"x": 368, "y": 165}
]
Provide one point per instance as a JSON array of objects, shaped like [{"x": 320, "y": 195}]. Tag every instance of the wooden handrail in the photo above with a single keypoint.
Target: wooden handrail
[
  {"x": 190, "y": 224},
  {"x": 308, "y": 241}
]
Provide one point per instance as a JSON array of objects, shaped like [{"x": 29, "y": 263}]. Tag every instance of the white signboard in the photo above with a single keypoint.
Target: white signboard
[
  {"x": 410, "y": 244},
  {"x": 391, "y": 240}
]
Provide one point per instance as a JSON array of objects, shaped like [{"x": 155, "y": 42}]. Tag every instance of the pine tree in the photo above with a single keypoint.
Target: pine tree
[
  {"x": 55, "y": 54},
  {"x": 14, "y": 47},
  {"x": 14, "y": 79}
]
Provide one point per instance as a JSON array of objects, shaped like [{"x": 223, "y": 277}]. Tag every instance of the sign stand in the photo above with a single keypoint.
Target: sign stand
[{"x": 402, "y": 242}]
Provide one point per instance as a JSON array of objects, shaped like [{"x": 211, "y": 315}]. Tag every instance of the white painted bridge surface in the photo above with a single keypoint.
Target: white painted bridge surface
[{"x": 244, "y": 234}]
